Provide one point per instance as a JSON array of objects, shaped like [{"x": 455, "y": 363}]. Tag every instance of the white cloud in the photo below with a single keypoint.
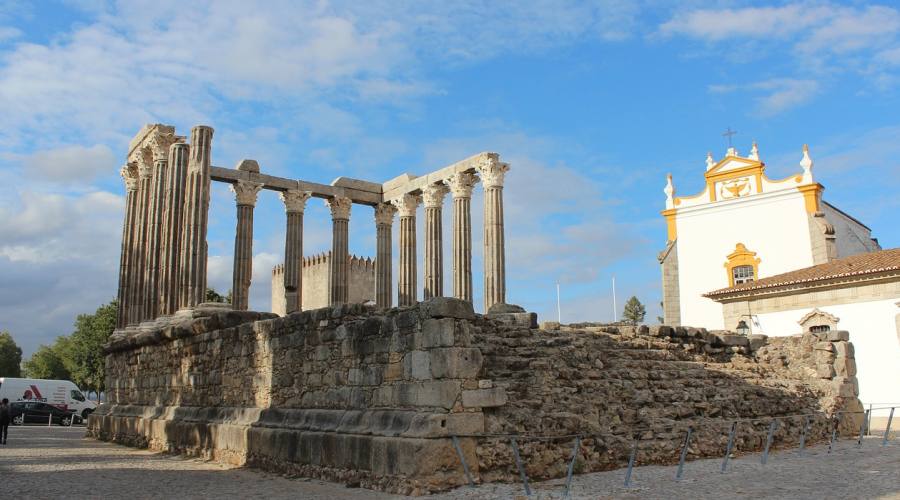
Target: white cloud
[
  {"x": 71, "y": 163},
  {"x": 751, "y": 22},
  {"x": 9, "y": 33},
  {"x": 780, "y": 94}
]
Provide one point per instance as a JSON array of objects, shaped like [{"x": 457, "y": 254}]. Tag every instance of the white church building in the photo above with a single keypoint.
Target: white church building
[{"x": 775, "y": 257}]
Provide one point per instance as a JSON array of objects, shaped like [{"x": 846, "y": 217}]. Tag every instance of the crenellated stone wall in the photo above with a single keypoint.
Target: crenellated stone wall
[{"x": 372, "y": 398}]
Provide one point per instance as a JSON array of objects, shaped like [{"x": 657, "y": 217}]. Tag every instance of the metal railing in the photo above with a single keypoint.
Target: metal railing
[{"x": 774, "y": 423}]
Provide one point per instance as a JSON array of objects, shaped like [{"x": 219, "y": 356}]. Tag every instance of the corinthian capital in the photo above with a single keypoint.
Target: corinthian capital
[
  {"x": 492, "y": 170},
  {"x": 407, "y": 205},
  {"x": 129, "y": 173},
  {"x": 144, "y": 162},
  {"x": 340, "y": 207},
  {"x": 245, "y": 192},
  {"x": 433, "y": 195},
  {"x": 159, "y": 144},
  {"x": 461, "y": 184},
  {"x": 384, "y": 214},
  {"x": 294, "y": 200}
]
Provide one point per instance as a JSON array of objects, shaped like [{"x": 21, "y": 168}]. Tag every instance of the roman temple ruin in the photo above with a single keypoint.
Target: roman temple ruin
[{"x": 164, "y": 250}]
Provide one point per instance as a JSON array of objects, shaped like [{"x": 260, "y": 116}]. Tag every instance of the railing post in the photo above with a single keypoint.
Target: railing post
[
  {"x": 887, "y": 430},
  {"x": 462, "y": 459},
  {"x": 729, "y": 447},
  {"x": 572, "y": 465},
  {"x": 835, "y": 422},
  {"x": 863, "y": 427},
  {"x": 803, "y": 435},
  {"x": 515, "y": 449},
  {"x": 687, "y": 439},
  {"x": 634, "y": 448},
  {"x": 769, "y": 437},
  {"x": 869, "y": 420}
]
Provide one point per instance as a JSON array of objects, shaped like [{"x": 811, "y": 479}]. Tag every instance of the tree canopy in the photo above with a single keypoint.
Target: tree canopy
[
  {"x": 634, "y": 311},
  {"x": 10, "y": 356}
]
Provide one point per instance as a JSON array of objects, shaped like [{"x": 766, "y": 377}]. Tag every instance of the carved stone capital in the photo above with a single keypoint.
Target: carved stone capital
[
  {"x": 245, "y": 192},
  {"x": 144, "y": 162},
  {"x": 384, "y": 214},
  {"x": 433, "y": 195},
  {"x": 492, "y": 171},
  {"x": 461, "y": 184},
  {"x": 129, "y": 174},
  {"x": 294, "y": 200},
  {"x": 159, "y": 144},
  {"x": 407, "y": 204},
  {"x": 340, "y": 207}
]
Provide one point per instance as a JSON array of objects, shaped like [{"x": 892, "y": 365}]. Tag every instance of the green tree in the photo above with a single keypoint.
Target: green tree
[
  {"x": 48, "y": 362},
  {"x": 634, "y": 311},
  {"x": 213, "y": 296},
  {"x": 85, "y": 355},
  {"x": 10, "y": 356}
]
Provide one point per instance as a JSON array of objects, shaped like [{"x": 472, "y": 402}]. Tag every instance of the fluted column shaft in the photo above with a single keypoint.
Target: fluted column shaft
[
  {"x": 461, "y": 187},
  {"x": 245, "y": 193},
  {"x": 130, "y": 176},
  {"x": 433, "y": 196},
  {"x": 492, "y": 173},
  {"x": 154, "y": 233},
  {"x": 406, "y": 280},
  {"x": 294, "y": 205},
  {"x": 139, "y": 242},
  {"x": 384, "y": 220},
  {"x": 173, "y": 220},
  {"x": 196, "y": 215},
  {"x": 340, "y": 250}
]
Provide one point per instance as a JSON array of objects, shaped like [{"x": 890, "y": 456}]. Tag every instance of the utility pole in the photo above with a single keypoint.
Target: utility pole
[
  {"x": 558, "y": 308},
  {"x": 615, "y": 307}
]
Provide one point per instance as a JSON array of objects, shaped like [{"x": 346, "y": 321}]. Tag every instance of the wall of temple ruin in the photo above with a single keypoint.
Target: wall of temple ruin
[{"x": 371, "y": 398}]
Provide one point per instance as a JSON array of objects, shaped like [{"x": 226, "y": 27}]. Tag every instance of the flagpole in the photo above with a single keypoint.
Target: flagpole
[
  {"x": 615, "y": 307},
  {"x": 558, "y": 308}
]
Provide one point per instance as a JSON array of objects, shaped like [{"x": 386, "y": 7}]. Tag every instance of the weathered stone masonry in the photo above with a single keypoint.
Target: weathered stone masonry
[{"x": 350, "y": 394}]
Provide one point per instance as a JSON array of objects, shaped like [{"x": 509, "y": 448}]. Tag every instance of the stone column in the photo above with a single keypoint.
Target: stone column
[
  {"x": 433, "y": 196},
  {"x": 160, "y": 150},
  {"x": 139, "y": 243},
  {"x": 384, "y": 219},
  {"x": 245, "y": 193},
  {"x": 130, "y": 175},
  {"x": 294, "y": 205},
  {"x": 173, "y": 219},
  {"x": 196, "y": 218},
  {"x": 406, "y": 282},
  {"x": 461, "y": 187},
  {"x": 492, "y": 172},
  {"x": 340, "y": 250}
]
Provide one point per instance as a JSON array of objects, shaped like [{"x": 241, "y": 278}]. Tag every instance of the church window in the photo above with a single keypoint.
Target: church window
[
  {"x": 742, "y": 274},
  {"x": 742, "y": 265}
]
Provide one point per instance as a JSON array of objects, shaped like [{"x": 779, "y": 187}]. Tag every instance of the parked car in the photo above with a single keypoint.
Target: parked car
[
  {"x": 62, "y": 393},
  {"x": 22, "y": 412}
]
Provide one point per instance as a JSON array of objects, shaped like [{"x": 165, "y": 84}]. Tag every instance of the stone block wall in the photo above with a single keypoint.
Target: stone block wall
[
  {"x": 316, "y": 277},
  {"x": 372, "y": 398}
]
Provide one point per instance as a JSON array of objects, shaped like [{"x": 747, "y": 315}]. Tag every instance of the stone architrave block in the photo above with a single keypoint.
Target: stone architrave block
[
  {"x": 484, "y": 398},
  {"x": 455, "y": 362},
  {"x": 844, "y": 349},
  {"x": 436, "y": 333},
  {"x": 838, "y": 336},
  {"x": 845, "y": 367}
]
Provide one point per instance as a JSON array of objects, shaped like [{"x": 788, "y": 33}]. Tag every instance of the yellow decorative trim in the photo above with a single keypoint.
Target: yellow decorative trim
[
  {"x": 672, "y": 231},
  {"x": 741, "y": 257},
  {"x": 812, "y": 196}
]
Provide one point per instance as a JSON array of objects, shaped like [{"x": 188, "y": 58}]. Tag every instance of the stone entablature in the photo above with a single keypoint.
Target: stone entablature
[{"x": 350, "y": 393}]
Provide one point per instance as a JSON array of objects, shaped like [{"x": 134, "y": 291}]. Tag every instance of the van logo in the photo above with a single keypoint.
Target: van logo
[{"x": 33, "y": 394}]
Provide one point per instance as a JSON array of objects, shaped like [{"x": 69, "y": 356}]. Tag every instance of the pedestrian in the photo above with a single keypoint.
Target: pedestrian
[{"x": 4, "y": 420}]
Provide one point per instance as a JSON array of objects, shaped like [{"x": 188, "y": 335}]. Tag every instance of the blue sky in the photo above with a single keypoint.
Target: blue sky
[{"x": 591, "y": 103}]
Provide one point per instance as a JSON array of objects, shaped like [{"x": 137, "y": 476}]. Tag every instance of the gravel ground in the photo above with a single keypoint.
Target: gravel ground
[{"x": 56, "y": 462}]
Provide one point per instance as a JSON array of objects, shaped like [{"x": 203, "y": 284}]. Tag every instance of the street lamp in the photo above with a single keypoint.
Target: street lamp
[{"x": 742, "y": 328}]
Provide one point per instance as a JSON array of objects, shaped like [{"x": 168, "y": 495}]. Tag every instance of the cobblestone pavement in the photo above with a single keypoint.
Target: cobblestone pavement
[{"x": 57, "y": 462}]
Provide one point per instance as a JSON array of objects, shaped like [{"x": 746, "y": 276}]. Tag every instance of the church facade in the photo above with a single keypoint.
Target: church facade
[{"x": 743, "y": 227}]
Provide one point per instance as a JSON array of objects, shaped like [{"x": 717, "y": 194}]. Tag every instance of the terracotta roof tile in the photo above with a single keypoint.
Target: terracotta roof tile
[{"x": 855, "y": 265}]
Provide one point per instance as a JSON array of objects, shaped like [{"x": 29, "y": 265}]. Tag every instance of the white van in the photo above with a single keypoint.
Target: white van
[{"x": 62, "y": 393}]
